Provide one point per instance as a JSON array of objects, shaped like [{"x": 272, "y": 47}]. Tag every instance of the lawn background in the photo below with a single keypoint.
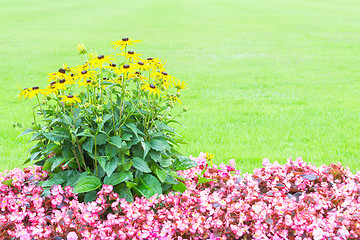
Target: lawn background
[{"x": 267, "y": 78}]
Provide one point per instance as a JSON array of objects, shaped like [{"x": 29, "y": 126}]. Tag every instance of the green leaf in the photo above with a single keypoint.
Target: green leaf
[
  {"x": 88, "y": 144},
  {"x": 124, "y": 192},
  {"x": 146, "y": 146},
  {"x": 176, "y": 175},
  {"x": 52, "y": 181},
  {"x": 160, "y": 144},
  {"x": 156, "y": 156},
  {"x": 111, "y": 166},
  {"x": 117, "y": 141},
  {"x": 74, "y": 178},
  {"x": 205, "y": 180},
  {"x": 166, "y": 162},
  {"x": 180, "y": 187},
  {"x": 160, "y": 174},
  {"x": 183, "y": 163},
  {"x": 57, "y": 162},
  {"x": 151, "y": 181},
  {"x": 163, "y": 126},
  {"x": 102, "y": 161},
  {"x": 90, "y": 196},
  {"x": 133, "y": 128},
  {"x": 29, "y": 130},
  {"x": 116, "y": 178},
  {"x": 140, "y": 165},
  {"x": 57, "y": 135},
  {"x": 101, "y": 138},
  {"x": 130, "y": 185},
  {"x": 111, "y": 150},
  {"x": 87, "y": 184},
  {"x": 127, "y": 136},
  {"x": 127, "y": 165},
  {"x": 144, "y": 190},
  {"x": 7, "y": 182},
  {"x": 171, "y": 180}
]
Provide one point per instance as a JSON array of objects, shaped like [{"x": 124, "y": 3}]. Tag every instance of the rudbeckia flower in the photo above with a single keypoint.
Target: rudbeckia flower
[
  {"x": 34, "y": 92},
  {"x": 100, "y": 60},
  {"x": 52, "y": 88},
  {"x": 142, "y": 66},
  {"x": 151, "y": 89},
  {"x": 179, "y": 85},
  {"x": 125, "y": 69},
  {"x": 123, "y": 43},
  {"x": 81, "y": 48},
  {"x": 24, "y": 93},
  {"x": 85, "y": 75},
  {"x": 131, "y": 56},
  {"x": 137, "y": 75},
  {"x": 156, "y": 64},
  {"x": 70, "y": 99}
]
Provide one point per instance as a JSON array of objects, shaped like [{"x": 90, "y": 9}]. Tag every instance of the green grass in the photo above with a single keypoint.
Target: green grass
[{"x": 267, "y": 78}]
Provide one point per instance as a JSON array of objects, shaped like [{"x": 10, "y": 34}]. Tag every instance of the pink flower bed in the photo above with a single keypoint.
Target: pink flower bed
[{"x": 290, "y": 201}]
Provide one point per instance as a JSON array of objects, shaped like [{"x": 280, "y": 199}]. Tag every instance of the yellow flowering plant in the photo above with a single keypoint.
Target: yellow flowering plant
[{"x": 107, "y": 122}]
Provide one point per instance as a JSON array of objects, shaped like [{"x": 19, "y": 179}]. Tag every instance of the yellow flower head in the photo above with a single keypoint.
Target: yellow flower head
[
  {"x": 151, "y": 89},
  {"x": 142, "y": 66},
  {"x": 156, "y": 64},
  {"x": 175, "y": 98},
  {"x": 70, "y": 99},
  {"x": 125, "y": 69},
  {"x": 52, "y": 88},
  {"x": 100, "y": 60},
  {"x": 179, "y": 85},
  {"x": 131, "y": 56},
  {"x": 85, "y": 75},
  {"x": 24, "y": 93},
  {"x": 123, "y": 43}
]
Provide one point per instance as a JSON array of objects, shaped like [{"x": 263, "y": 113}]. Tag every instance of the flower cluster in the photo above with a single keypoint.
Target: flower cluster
[
  {"x": 290, "y": 201},
  {"x": 109, "y": 118}
]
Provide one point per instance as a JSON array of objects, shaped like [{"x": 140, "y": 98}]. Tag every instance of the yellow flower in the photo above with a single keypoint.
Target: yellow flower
[
  {"x": 34, "y": 92},
  {"x": 52, "y": 88},
  {"x": 61, "y": 74},
  {"x": 125, "y": 69},
  {"x": 137, "y": 75},
  {"x": 24, "y": 93},
  {"x": 85, "y": 82},
  {"x": 85, "y": 75},
  {"x": 142, "y": 66},
  {"x": 70, "y": 99},
  {"x": 156, "y": 64},
  {"x": 81, "y": 48},
  {"x": 209, "y": 157},
  {"x": 131, "y": 56},
  {"x": 151, "y": 88},
  {"x": 100, "y": 60},
  {"x": 123, "y": 43},
  {"x": 111, "y": 66},
  {"x": 179, "y": 85}
]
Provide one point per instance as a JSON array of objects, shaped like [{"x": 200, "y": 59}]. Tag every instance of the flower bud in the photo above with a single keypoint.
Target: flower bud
[
  {"x": 178, "y": 94},
  {"x": 99, "y": 119},
  {"x": 185, "y": 109},
  {"x": 81, "y": 48}
]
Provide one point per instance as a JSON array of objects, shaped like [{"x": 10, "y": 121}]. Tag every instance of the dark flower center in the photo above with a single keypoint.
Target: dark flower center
[
  {"x": 130, "y": 52},
  {"x": 126, "y": 66},
  {"x": 141, "y": 63},
  {"x": 164, "y": 73},
  {"x": 125, "y": 39},
  {"x": 70, "y": 96},
  {"x": 62, "y": 81},
  {"x": 52, "y": 83},
  {"x": 150, "y": 59},
  {"x": 35, "y": 88},
  {"x": 100, "y": 56},
  {"x": 25, "y": 88},
  {"x": 137, "y": 73},
  {"x": 61, "y": 70},
  {"x": 83, "y": 72},
  {"x": 88, "y": 81},
  {"x": 152, "y": 86},
  {"x": 72, "y": 74},
  {"x": 112, "y": 65}
]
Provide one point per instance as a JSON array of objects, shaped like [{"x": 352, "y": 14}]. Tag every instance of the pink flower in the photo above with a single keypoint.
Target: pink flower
[{"x": 72, "y": 236}]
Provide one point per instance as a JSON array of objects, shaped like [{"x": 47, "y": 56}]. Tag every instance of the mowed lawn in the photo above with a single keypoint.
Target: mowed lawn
[{"x": 267, "y": 78}]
